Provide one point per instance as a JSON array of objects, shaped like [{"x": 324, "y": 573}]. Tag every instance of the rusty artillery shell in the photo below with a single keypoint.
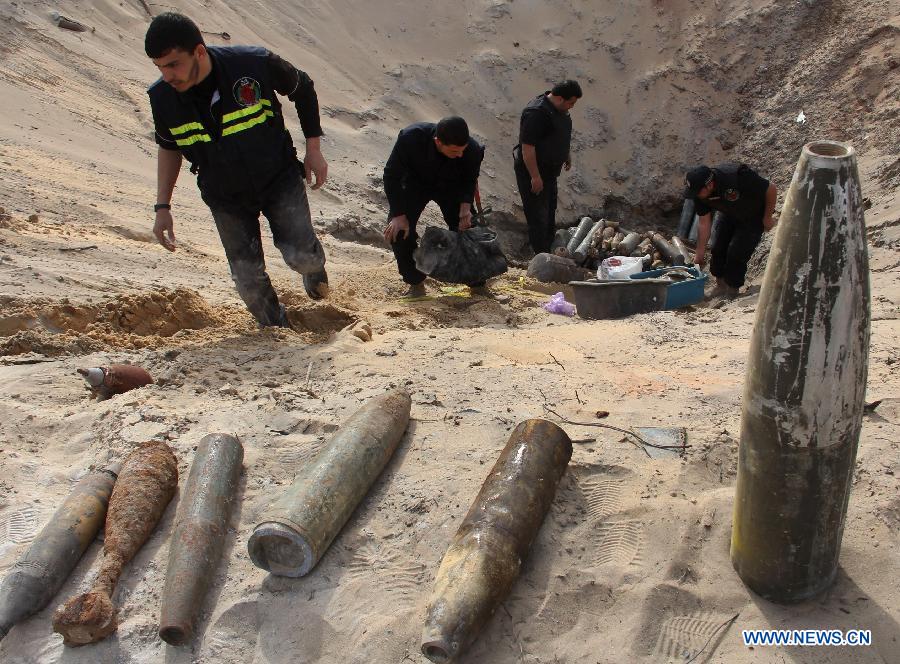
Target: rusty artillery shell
[
  {"x": 667, "y": 252},
  {"x": 115, "y": 379},
  {"x": 38, "y": 575},
  {"x": 145, "y": 486},
  {"x": 199, "y": 533},
  {"x": 806, "y": 382},
  {"x": 297, "y": 529},
  {"x": 486, "y": 555}
]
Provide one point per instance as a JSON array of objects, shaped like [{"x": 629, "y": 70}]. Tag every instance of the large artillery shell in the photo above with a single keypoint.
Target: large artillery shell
[
  {"x": 584, "y": 226},
  {"x": 667, "y": 252},
  {"x": 115, "y": 379},
  {"x": 199, "y": 533},
  {"x": 296, "y": 531},
  {"x": 628, "y": 244},
  {"x": 806, "y": 381},
  {"x": 145, "y": 486},
  {"x": 560, "y": 239},
  {"x": 581, "y": 251},
  {"x": 687, "y": 218},
  {"x": 38, "y": 575},
  {"x": 486, "y": 555},
  {"x": 682, "y": 249}
]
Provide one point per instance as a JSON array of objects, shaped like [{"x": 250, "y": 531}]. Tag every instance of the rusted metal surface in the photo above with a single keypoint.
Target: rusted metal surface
[
  {"x": 668, "y": 253},
  {"x": 485, "y": 557},
  {"x": 115, "y": 379},
  {"x": 144, "y": 488},
  {"x": 38, "y": 575},
  {"x": 804, "y": 395},
  {"x": 199, "y": 534},
  {"x": 295, "y": 532}
]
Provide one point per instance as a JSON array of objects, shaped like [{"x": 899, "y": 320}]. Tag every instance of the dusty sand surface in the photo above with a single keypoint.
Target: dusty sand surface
[{"x": 632, "y": 562}]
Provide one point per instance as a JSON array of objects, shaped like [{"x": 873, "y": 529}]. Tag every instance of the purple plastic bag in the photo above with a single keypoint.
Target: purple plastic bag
[{"x": 558, "y": 305}]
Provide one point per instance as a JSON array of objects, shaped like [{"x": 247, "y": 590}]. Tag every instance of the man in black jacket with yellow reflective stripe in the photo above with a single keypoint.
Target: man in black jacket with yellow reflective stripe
[{"x": 217, "y": 107}]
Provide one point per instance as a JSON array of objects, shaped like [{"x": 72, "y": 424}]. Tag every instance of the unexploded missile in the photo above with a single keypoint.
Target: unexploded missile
[
  {"x": 296, "y": 531},
  {"x": 486, "y": 554},
  {"x": 146, "y": 484},
  {"x": 687, "y": 218},
  {"x": 115, "y": 379},
  {"x": 804, "y": 394},
  {"x": 38, "y": 575},
  {"x": 199, "y": 533}
]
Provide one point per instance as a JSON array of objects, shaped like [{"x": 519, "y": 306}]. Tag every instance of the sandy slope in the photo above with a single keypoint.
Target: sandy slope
[{"x": 632, "y": 563}]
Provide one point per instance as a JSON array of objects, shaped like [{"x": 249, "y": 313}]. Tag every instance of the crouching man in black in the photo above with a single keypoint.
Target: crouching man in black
[
  {"x": 746, "y": 201},
  {"x": 430, "y": 162}
]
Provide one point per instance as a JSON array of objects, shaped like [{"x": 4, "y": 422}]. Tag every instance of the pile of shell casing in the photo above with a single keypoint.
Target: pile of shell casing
[{"x": 591, "y": 241}]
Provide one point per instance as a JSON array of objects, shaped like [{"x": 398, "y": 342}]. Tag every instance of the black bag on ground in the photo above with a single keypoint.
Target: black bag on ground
[{"x": 469, "y": 257}]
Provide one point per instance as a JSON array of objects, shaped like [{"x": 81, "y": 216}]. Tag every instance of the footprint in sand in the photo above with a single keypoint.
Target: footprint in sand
[
  {"x": 300, "y": 454},
  {"x": 603, "y": 497},
  {"x": 619, "y": 543},
  {"x": 389, "y": 570},
  {"x": 235, "y": 629},
  {"x": 19, "y": 526},
  {"x": 681, "y": 637}
]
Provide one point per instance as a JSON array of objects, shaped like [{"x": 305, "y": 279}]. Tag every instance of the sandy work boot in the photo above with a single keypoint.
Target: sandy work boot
[
  {"x": 316, "y": 284},
  {"x": 416, "y": 290}
]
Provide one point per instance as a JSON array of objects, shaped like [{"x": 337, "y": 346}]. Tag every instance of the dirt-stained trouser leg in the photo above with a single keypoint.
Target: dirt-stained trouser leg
[{"x": 287, "y": 209}]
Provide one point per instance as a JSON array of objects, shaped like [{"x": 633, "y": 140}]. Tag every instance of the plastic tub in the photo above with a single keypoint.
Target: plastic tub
[
  {"x": 595, "y": 299},
  {"x": 679, "y": 293}
]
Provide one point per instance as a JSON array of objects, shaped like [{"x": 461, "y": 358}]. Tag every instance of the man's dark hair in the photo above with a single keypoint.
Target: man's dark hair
[
  {"x": 567, "y": 89},
  {"x": 171, "y": 30},
  {"x": 452, "y": 130}
]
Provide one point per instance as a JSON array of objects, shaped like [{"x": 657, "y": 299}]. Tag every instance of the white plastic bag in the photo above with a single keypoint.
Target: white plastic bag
[{"x": 619, "y": 267}]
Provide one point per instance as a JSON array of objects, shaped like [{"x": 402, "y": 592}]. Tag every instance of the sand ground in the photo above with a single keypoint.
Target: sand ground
[{"x": 632, "y": 562}]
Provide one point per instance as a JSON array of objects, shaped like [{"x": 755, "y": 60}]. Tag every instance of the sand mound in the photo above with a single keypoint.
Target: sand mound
[{"x": 134, "y": 320}]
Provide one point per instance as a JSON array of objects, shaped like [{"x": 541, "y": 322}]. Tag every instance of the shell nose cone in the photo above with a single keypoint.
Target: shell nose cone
[{"x": 94, "y": 376}]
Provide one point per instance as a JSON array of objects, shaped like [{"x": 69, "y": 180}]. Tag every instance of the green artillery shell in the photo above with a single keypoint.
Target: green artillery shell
[
  {"x": 296, "y": 531},
  {"x": 486, "y": 555},
  {"x": 144, "y": 488},
  {"x": 199, "y": 533},
  {"x": 806, "y": 380},
  {"x": 39, "y": 574},
  {"x": 584, "y": 227}
]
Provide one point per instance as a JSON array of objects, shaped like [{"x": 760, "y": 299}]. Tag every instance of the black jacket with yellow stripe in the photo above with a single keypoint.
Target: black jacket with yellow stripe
[{"x": 249, "y": 146}]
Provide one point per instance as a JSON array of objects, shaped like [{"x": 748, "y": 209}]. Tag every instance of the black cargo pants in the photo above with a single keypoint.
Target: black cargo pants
[
  {"x": 405, "y": 247},
  {"x": 734, "y": 245},
  {"x": 287, "y": 209},
  {"x": 540, "y": 209}
]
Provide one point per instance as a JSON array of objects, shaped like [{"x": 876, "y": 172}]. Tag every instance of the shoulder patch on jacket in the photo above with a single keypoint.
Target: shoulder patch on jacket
[{"x": 246, "y": 91}]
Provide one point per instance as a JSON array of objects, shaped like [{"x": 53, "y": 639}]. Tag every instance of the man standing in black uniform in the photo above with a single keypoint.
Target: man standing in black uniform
[
  {"x": 217, "y": 107},
  {"x": 746, "y": 201},
  {"x": 430, "y": 162},
  {"x": 545, "y": 136}
]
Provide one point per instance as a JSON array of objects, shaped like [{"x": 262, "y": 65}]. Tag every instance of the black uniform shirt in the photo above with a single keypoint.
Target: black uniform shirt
[
  {"x": 549, "y": 131},
  {"x": 740, "y": 193},
  {"x": 416, "y": 169},
  {"x": 295, "y": 84}
]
